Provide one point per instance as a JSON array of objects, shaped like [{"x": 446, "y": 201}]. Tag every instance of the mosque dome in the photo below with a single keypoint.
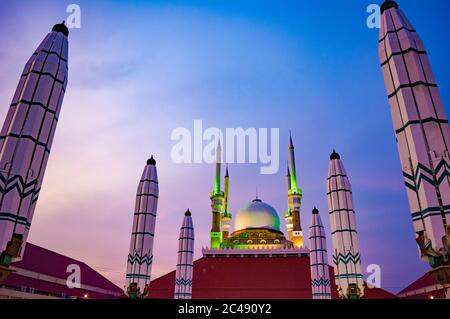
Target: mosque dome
[{"x": 257, "y": 214}]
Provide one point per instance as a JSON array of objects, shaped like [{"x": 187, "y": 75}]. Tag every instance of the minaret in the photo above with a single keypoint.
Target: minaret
[
  {"x": 26, "y": 139},
  {"x": 320, "y": 272},
  {"x": 217, "y": 197},
  {"x": 346, "y": 256},
  {"x": 226, "y": 216},
  {"x": 292, "y": 165},
  {"x": 422, "y": 134},
  {"x": 140, "y": 257},
  {"x": 294, "y": 201},
  {"x": 185, "y": 265}
]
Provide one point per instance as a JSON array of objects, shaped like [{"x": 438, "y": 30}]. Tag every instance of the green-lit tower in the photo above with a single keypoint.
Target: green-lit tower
[
  {"x": 293, "y": 172},
  {"x": 295, "y": 233},
  {"x": 288, "y": 215},
  {"x": 217, "y": 197},
  {"x": 226, "y": 216}
]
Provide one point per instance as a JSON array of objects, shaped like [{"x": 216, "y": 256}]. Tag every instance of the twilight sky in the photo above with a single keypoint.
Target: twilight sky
[{"x": 138, "y": 70}]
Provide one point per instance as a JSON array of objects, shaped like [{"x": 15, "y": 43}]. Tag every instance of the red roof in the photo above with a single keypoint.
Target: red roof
[
  {"x": 423, "y": 288},
  {"x": 42, "y": 261},
  {"x": 250, "y": 278}
]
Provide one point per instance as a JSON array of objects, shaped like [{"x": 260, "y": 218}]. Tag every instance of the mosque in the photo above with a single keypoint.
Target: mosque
[
  {"x": 256, "y": 224},
  {"x": 257, "y": 260}
]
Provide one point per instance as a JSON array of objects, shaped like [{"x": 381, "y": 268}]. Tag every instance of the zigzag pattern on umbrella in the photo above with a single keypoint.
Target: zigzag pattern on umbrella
[
  {"x": 426, "y": 174},
  {"x": 320, "y": 282},
  {"x": 183, "y": 282},
  {"x": 136, "y": 258},
  {"x": 16, "y": 182},
  {"x": 346, "y": 258}
]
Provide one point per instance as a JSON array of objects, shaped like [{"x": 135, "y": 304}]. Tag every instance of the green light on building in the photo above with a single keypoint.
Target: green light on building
[{"x": 216, "y": 239}]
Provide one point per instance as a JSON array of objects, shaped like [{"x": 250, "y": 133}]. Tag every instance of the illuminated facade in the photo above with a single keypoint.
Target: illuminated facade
[
  {"x": 217, "y": 198},
  {"x": 257, "y": 224}
]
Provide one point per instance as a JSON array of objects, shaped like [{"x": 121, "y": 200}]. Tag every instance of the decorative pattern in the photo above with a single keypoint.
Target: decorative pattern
[
  {"x": 185, "y": 265},
  {"x": 140, "y": 258},
  {"x": 421, "y": 129},
  {"x": 321, "y": 282},
  {"x": 346, "y": 256},
  {"x": 136, "y": 258},
  {"x": 183, "y": 282},
  {"x": 27, "y": 135}
]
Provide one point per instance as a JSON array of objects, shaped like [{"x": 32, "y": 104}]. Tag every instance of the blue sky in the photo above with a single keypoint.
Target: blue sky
[{"x": 138, "y": 70}]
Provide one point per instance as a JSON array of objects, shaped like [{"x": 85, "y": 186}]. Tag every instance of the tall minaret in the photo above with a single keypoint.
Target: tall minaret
[
  {"x": 140, "y": 257},
  {"x": 226, "y": 216},
  {"x": 217, "y": 197},
  {"x": 294, "y": 201},
  {"x": 422, "y": 133},
  {"x": 346, "y": 256},
  {"x": 320, "y": 272},
  {"x": 26, "y": 139},
  {"x": 185, "y": 264}
]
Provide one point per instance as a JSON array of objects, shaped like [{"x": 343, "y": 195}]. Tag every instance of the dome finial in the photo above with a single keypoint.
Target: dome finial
[
  {"x": 315, "y": 210},
  {"x": 187, "y": 213},
  {"x": 256, "y": 197}
]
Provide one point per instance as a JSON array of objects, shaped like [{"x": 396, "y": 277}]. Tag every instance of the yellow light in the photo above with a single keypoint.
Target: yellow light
[
  {"x": 86, "y": 295},
  {"x": 431, "y": 297}
]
